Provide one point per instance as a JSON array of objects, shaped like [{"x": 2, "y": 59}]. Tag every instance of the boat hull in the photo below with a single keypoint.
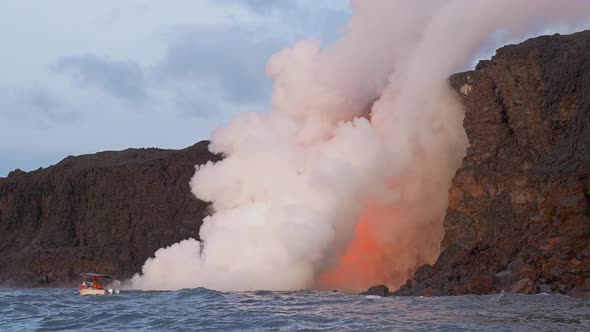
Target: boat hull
[{"x": 92, "y": 291}]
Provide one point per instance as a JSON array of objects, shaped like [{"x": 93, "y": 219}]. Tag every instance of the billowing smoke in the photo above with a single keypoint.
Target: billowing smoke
[{"x": 343, "y": 182}]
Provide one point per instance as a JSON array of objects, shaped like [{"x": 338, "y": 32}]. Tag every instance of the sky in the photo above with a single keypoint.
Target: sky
[{"x": 80, "y": 77}]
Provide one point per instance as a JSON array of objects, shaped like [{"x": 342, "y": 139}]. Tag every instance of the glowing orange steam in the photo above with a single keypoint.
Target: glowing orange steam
[
  {"x": 390, "y": 241},
  {"x": 365, "y": 259}
]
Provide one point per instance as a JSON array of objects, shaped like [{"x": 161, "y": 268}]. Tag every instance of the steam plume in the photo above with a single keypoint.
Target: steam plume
[{"x": 343, "y": 182}]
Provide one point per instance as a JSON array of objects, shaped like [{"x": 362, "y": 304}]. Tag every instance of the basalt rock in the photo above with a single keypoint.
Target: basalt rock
[
  {"x": 519, "y": 206},
  {"x": 107, "y": 212},
  {"x": 379, "y": 290}
]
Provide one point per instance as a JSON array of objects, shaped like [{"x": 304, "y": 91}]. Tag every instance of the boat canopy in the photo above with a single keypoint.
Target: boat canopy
[{"x": 96, "y": 275}]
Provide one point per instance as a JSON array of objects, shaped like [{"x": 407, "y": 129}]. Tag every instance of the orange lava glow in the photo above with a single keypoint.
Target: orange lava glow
[
  {"x": 391, "y": 239},
  {"x": 364, "y": 261}
]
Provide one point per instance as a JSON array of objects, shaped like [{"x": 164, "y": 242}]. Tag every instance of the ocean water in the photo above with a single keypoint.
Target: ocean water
[{"x": 207, "y": 310}]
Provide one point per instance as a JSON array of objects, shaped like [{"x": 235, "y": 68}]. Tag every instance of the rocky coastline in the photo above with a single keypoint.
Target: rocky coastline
[
  {"x": 104, "y": 212},
  {"x": 519, "y": 206}
]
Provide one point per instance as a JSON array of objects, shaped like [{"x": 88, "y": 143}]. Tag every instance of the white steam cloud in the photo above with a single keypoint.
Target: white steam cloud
[{"x": 343, "y": 182}]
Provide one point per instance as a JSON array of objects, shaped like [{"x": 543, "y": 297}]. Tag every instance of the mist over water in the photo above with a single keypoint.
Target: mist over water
[{"x": 343, "y": 182}]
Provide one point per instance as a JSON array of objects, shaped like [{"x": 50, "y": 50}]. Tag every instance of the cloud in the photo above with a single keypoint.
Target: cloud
[
  {"x": 121, "y": 12},
  {"x": 191, "y": 66},
  {"x": 206, "y": 69},
  {"x": 34, "y": 107},
  {"x": 260, "y": 5},
  {"x": 194, "y": 101},
  {"x": 202, "y": 69},
  {"x": 298, "y": 19},
  {"x": 224, "y": 63},
  {"x": 121, "y": 78}
]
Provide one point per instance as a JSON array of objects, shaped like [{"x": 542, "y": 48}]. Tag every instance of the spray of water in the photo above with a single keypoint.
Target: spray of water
[{"x": 343, "y": 182}]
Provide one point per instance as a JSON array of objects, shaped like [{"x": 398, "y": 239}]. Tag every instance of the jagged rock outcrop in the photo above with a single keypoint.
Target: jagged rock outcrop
[
  {"x": 519, "y": 206},
  {"x": 378, "y": 290},
  {"x": 107, "y": 212}
]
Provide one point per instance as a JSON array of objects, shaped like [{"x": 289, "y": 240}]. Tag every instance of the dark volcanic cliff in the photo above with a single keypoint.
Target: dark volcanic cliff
[
  {"x": 519, "y": 206},
  {"x": 106, "y": 212}
]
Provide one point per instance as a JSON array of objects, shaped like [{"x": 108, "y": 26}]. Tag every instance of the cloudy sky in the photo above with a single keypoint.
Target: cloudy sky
[{"x": 80, "y": 76}]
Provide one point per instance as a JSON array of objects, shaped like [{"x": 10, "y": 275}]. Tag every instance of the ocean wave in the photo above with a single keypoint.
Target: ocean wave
[{"x": 204, "y": 309}]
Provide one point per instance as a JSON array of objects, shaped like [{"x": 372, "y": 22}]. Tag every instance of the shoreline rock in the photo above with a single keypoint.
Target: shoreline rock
[
  {"x": 106, "y": 212},
  {"x": 378, "y": 290},
  {"x": 519, "y": 206}
]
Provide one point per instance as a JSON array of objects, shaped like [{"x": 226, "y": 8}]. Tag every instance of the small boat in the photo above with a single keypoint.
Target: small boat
[{"x": 92, "y": 284}]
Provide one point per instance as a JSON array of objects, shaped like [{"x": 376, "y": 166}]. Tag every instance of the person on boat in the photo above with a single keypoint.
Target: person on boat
[{"x": 95, "y": 285}]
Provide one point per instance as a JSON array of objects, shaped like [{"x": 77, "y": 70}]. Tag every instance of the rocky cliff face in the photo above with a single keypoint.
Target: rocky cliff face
[
  {"x": 519, "y": 206},
  {"x": 106, "y": 212}
]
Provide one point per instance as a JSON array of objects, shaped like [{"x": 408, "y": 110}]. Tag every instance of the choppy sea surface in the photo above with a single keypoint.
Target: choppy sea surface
[{"x": 203, "y": 309}]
